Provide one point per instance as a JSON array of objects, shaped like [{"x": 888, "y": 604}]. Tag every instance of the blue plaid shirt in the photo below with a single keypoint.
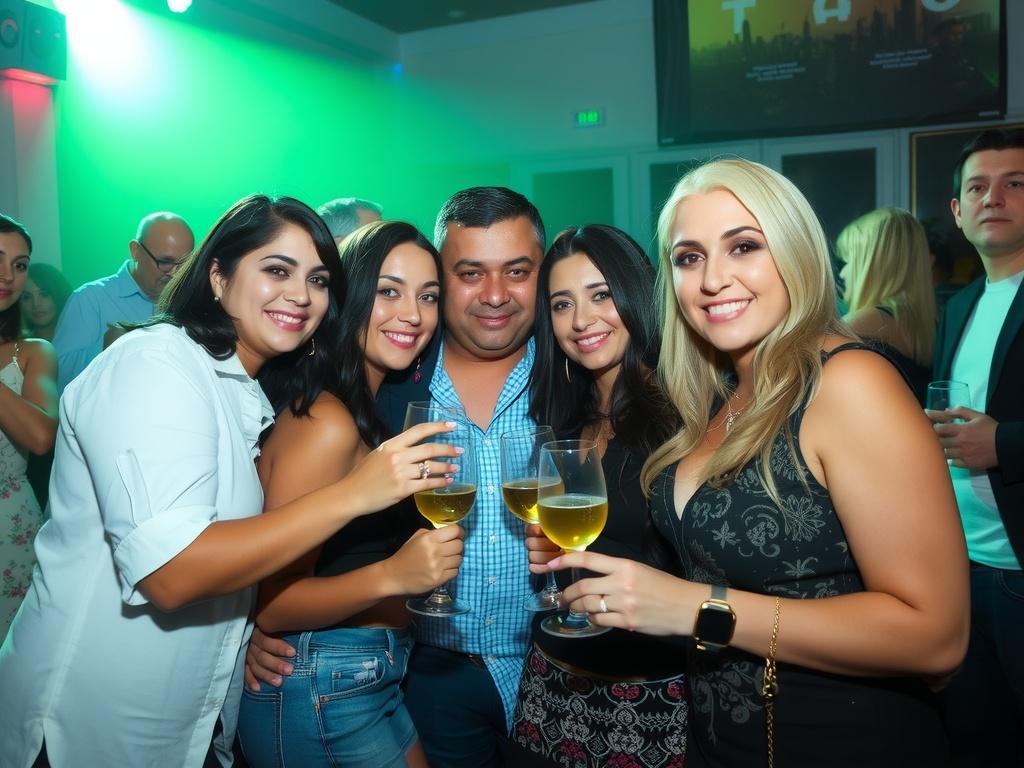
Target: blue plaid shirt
[{"x": 494, "y": 578}]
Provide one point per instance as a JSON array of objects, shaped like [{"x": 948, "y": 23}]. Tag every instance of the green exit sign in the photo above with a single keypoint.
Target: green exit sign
[{"x": 589, "y": 118}]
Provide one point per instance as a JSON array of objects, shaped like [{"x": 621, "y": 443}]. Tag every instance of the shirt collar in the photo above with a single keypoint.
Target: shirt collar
[
  {"x": 258, "y": 413},
  {"x": 126, "y": 285}
]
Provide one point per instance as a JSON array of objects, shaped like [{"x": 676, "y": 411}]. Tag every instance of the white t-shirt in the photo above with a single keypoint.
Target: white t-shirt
[
  {"x": 987, "y": 542},
  {"x": 157, "y": 439}
]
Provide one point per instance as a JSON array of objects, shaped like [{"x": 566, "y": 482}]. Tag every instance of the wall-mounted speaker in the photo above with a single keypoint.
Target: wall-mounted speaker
[{"x": 33, "y": 41}]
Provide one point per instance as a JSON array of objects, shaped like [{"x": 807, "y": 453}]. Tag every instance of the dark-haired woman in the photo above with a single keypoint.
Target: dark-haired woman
[
  {"x": 126, "y": 649},
  {"x": 341, "y": 606},
  {"x": 606, "y": 700},
  {"x": 28, "y": 421},
  {"x": 46, "y": 292}
]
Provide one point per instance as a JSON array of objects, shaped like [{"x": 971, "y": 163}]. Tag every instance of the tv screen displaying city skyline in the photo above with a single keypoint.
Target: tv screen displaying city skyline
[{"x": 740, "y": 68}]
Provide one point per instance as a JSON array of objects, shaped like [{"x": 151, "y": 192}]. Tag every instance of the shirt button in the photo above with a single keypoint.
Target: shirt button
[
  {"x": 487, "y": 441},
  {"x": 490, "y": 489},
  {"x": 492, "y": 538},
  {"x": 491, "y": 579},
  {"x": 490, "y": 658},
  {"x": 489, "y": 620}
]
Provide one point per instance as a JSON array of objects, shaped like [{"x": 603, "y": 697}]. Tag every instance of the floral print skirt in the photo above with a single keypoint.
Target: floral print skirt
[{"x": 566, "y": 719}]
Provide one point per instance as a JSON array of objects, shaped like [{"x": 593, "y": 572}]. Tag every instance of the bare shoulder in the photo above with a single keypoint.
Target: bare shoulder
[
  {"x": 327, "y": 430},
  {"x": 37, "y": 352}
]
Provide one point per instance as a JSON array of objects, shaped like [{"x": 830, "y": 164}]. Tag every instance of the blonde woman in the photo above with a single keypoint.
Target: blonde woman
[
  {"x": 806, "y": 496},
  {"x": 888, "y": 288}
]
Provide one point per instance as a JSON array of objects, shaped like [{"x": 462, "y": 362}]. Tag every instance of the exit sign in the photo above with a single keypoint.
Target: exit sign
[{"x": 589, "y": 118}]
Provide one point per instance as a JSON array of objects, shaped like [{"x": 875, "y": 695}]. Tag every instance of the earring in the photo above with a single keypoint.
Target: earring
[
  {"x": 217, "y": 299},
  {"x": 567, "y": 376},
  {"x": 312, "y": 346},
  {"x": 416, "y": 376}
]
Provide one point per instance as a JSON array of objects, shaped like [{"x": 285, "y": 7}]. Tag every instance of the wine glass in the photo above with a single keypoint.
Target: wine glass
[
  {"x": 444, "y": 506},
  {"x": 572, "y": 503},
  {"x": 520, "y": 459},
  {"x": 946, "y": 395}
]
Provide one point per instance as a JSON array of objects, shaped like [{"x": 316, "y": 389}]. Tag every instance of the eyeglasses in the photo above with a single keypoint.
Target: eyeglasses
[{"x": 167, "y": 266}]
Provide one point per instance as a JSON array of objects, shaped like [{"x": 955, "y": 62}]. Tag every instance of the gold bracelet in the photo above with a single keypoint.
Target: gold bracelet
[{"x": 770, "y": 686}]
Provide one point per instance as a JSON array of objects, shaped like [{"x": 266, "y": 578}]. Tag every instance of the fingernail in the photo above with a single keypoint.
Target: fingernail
[
  {"x": 459, "y": 450},
  {"x": 451, "y": 424},
  {"x": 277, "y": 680},
  {"x": 453, "y": 468}
]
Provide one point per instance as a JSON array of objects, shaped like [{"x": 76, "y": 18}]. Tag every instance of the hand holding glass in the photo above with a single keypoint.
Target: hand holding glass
[
  {"x": 572, "y": 503},
  {"x": 946, "y": 395},
  {"x": 444, "y": 506},
  {"x": 520, "y": 459}
]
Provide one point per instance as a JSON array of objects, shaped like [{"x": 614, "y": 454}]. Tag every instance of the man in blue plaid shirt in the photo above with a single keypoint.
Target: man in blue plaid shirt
[{"x": 464, "y": 672}]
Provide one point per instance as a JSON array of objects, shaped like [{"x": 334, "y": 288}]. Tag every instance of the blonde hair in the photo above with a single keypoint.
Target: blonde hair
[
  {"x": 887, "y": 254},
  {"x": 787, "y": 362}
]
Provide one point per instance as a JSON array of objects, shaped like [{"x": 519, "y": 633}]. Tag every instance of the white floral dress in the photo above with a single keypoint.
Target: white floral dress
[{"x": 20, "y": 515}]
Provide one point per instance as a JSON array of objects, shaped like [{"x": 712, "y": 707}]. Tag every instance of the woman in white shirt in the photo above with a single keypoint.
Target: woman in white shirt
[{"x": 126, "y": 649}]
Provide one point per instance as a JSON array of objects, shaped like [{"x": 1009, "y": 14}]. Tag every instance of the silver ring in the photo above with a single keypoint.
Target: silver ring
[
  {"x": 603, "y": 605},
  {"x": 424, "y": 470}
]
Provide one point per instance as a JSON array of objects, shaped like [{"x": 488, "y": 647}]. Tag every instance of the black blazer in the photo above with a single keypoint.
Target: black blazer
[{"x": 1004, "y": 402}]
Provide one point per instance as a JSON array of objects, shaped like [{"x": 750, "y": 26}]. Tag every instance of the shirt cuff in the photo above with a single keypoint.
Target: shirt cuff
[{"x": 155, "y": 542}]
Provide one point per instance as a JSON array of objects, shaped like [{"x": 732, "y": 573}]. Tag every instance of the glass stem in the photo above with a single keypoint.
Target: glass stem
[
  {"x": 440, "y": 595},
  {"x": 577, "y": 617},
  {"x": 550, "y": 585}
]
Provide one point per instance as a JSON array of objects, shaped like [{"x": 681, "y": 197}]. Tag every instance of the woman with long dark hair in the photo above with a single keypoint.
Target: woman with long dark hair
[
  {"x": 46, "y": 292},
  {"x": 607, "y": 699},
  {"x": 126, "y": 650},
  {"x": 28, "y": 420},
  {"x": 342, "y": 605}
]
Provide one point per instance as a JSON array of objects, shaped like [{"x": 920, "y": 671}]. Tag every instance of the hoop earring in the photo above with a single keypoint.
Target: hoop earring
[
  {"x": 567, "y": 376},
  {"x": 312, "y": 346}
]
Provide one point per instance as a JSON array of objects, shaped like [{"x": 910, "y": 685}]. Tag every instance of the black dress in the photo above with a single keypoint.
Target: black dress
[
  {"x": 563, "y": 718},
  {"x": 737, "y": 536}
]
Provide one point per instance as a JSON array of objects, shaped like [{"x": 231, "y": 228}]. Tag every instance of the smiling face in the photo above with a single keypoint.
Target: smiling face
[
  {"x": 14, "y": 259},
  {"x": 990, "y": 209},
  {"x": 38, "y": 307},
  {"x": 276, "y": 297},
  {"x": 726, "y": 282},
  {"x": 490, "y": 287},
  {"x": 584, "y": 317},
  {"x": 404, "y": 314}
]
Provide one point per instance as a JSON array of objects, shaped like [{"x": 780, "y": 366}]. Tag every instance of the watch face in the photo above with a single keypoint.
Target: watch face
[{"x": 715, "y": 624}]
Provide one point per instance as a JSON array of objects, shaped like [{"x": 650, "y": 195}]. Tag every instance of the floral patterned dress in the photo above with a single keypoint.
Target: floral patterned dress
[
  {"x": 20, "y": 516},
  {"x": 737, "y": 536}
]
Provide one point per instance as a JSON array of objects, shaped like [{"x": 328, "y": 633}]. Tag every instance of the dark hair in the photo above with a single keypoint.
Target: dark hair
[
  {"x": 341, "y": 215},
  {"x": 52, "y": 282},
  {"x": 640, "y": 414},
  {"x": 344, "y": 371},
  {"x": 188, "y": 301},
  {"x": 484, "y": 206},
  {"x": 10, "y": 318},
  {"x": 993, "y": 138}
]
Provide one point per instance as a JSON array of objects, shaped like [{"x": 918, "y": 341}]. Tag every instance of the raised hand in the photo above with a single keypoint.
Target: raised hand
[
  {"x": 427, "y": 560},
  {"x": 400, "y": 467}
]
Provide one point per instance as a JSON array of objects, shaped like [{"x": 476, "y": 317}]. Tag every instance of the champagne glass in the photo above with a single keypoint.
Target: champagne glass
[
  {"x": 946, "y": 395},
  {"x": 520, "y": 460},
  {"x": 572, "y": 503},
  {"x": 444, "y": 506}
]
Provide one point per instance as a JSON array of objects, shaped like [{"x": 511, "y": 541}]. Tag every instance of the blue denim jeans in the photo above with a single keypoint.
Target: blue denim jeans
[
  {"x": 983, "y": 706},
  {"x": 341, "y": 706}
]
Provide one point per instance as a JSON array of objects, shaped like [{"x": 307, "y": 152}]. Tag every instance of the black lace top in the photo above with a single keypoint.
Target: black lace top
[{"x": 737, "y": 536}]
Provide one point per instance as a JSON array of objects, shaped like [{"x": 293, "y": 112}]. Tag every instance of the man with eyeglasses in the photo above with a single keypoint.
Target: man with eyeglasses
[{"x": 162, "y": 242}]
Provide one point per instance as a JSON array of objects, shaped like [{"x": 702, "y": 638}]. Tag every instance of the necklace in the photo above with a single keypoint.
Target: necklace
[{"x": 730, "y": 415}]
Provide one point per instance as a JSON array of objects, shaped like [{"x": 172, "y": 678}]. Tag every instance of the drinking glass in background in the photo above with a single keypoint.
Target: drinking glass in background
[
  {"x": 448, "y": 505},
  {"x": 946, "y": 395},
  {"x": 520, "y": 462},
  {"x": 572, "y": 503}
]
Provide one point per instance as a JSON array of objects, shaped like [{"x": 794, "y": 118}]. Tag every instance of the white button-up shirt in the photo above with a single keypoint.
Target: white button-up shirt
[{"x": 156, "y": 441}]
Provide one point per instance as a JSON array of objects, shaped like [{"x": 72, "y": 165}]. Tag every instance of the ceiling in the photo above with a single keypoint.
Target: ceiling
[{"x": 402, "y": 16}]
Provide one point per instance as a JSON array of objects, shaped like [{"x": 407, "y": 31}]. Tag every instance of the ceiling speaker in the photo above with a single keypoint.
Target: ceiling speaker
[{"x": 32, "y": 40}]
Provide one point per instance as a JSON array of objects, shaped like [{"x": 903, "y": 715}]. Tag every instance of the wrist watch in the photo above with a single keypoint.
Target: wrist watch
[{"x": 715, "y": 622}]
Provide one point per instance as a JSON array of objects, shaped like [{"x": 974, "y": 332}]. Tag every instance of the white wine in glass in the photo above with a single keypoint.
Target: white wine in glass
[
  {"x": 447, "y": 505},
  {"x": 520, "y": 459},
  {"x": 572, "y": 503}
]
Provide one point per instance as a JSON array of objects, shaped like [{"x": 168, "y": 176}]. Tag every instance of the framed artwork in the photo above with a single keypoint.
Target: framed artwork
[{"x": 932, "y": 157}]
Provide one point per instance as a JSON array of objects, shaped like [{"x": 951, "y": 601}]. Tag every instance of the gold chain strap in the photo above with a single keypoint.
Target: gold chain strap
[{"x": 770, "y": 687}]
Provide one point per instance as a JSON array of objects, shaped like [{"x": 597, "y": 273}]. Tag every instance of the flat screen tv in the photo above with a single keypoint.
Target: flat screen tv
[{"x": 730, "y": 69}]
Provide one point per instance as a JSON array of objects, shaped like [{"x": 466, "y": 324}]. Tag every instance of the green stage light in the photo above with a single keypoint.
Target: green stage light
[{"x": 179, "y": 6}]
